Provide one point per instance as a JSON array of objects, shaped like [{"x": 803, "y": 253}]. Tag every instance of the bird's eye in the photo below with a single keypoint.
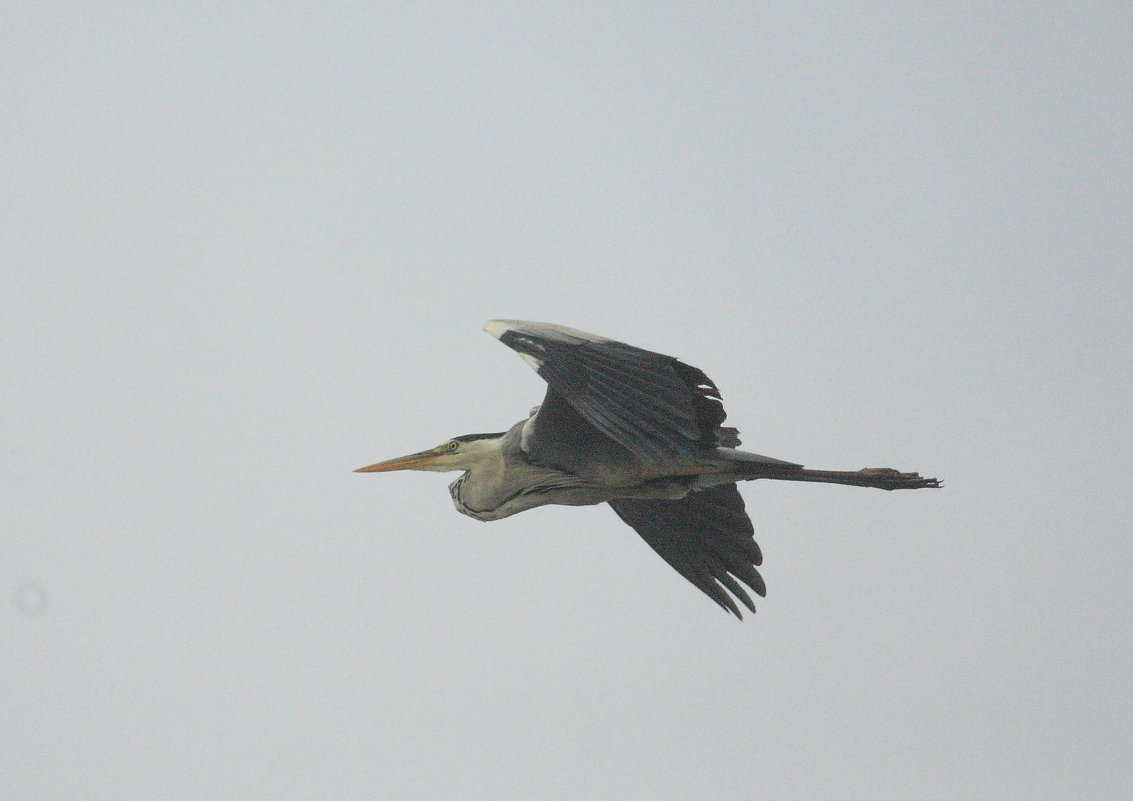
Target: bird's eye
[{"x": 452, "y": 445}]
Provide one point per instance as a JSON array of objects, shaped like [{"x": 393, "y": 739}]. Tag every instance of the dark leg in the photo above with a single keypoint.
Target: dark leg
[{"x": 885, "y": 478}]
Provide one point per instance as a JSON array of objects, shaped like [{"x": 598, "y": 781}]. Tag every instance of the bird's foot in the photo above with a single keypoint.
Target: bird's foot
[{"x": 887, "y": 478}]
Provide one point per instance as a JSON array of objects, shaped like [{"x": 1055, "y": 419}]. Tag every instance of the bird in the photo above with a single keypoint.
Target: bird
[{"x": 638, "y": 430}]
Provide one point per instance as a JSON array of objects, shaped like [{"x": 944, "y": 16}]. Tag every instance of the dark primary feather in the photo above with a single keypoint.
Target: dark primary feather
[
  {"x": 664, "y": 412},
  {"x": 707, "y": 537}
]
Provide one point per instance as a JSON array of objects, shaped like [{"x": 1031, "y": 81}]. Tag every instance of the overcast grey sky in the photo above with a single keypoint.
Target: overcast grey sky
[{"x": 248, "y": 247}]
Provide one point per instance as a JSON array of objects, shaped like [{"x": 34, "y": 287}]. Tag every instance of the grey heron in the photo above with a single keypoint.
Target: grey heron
[{"x": 640, "y": 431}]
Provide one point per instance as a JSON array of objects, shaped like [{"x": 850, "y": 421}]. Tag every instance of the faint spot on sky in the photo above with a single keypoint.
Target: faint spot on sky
[{"x": 30, "y": 599}]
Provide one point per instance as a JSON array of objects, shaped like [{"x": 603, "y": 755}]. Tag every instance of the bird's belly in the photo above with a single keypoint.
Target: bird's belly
[
  {"x": 484, "y": 515},
  {"x": 515, "y": 504},
  {"x": 486, "y": 507}
]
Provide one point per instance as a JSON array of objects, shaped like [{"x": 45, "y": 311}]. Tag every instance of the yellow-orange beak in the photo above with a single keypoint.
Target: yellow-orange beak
[{"x": 414, "y": 461}]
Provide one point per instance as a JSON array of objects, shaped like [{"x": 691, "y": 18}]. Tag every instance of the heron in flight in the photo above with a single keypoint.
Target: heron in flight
[{"x": 640, "y": 431}]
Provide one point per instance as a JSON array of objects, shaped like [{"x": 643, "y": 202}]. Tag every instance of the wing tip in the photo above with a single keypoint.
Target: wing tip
[
  {"x": 498, "y": 328},
  {"x": 551, "y": 331},
  {"x": 513, "y": 333}
]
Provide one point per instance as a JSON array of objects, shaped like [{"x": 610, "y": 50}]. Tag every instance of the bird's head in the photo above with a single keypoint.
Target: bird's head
[{"x": 459, "y": 453}]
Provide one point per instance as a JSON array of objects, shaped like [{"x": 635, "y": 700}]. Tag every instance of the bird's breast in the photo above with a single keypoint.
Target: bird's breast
[{"x": 483, "y": 502}]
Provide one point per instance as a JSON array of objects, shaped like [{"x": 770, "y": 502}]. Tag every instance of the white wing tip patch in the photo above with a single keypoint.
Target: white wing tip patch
[
  {"x": 498, "y": 328},
  {"x": 559, "y": 333}
]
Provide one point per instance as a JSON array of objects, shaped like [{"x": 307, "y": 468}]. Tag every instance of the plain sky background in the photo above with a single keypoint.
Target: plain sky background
[{"x": 247, "y": 247}]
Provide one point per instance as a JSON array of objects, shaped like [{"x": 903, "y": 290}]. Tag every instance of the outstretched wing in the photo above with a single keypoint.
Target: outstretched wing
[
  {"x": 707, "y": 537},
  {"x": 664, "y": 412}
]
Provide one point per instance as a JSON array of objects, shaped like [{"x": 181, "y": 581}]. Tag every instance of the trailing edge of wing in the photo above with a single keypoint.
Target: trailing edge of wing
[{"x": 706, "y": 537}]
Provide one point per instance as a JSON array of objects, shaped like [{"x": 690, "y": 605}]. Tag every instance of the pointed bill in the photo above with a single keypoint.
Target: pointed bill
[{"x": 414, "y": 461}]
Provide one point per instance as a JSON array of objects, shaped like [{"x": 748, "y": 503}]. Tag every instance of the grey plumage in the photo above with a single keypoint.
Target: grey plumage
[{"x": 641, "y": 431}]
